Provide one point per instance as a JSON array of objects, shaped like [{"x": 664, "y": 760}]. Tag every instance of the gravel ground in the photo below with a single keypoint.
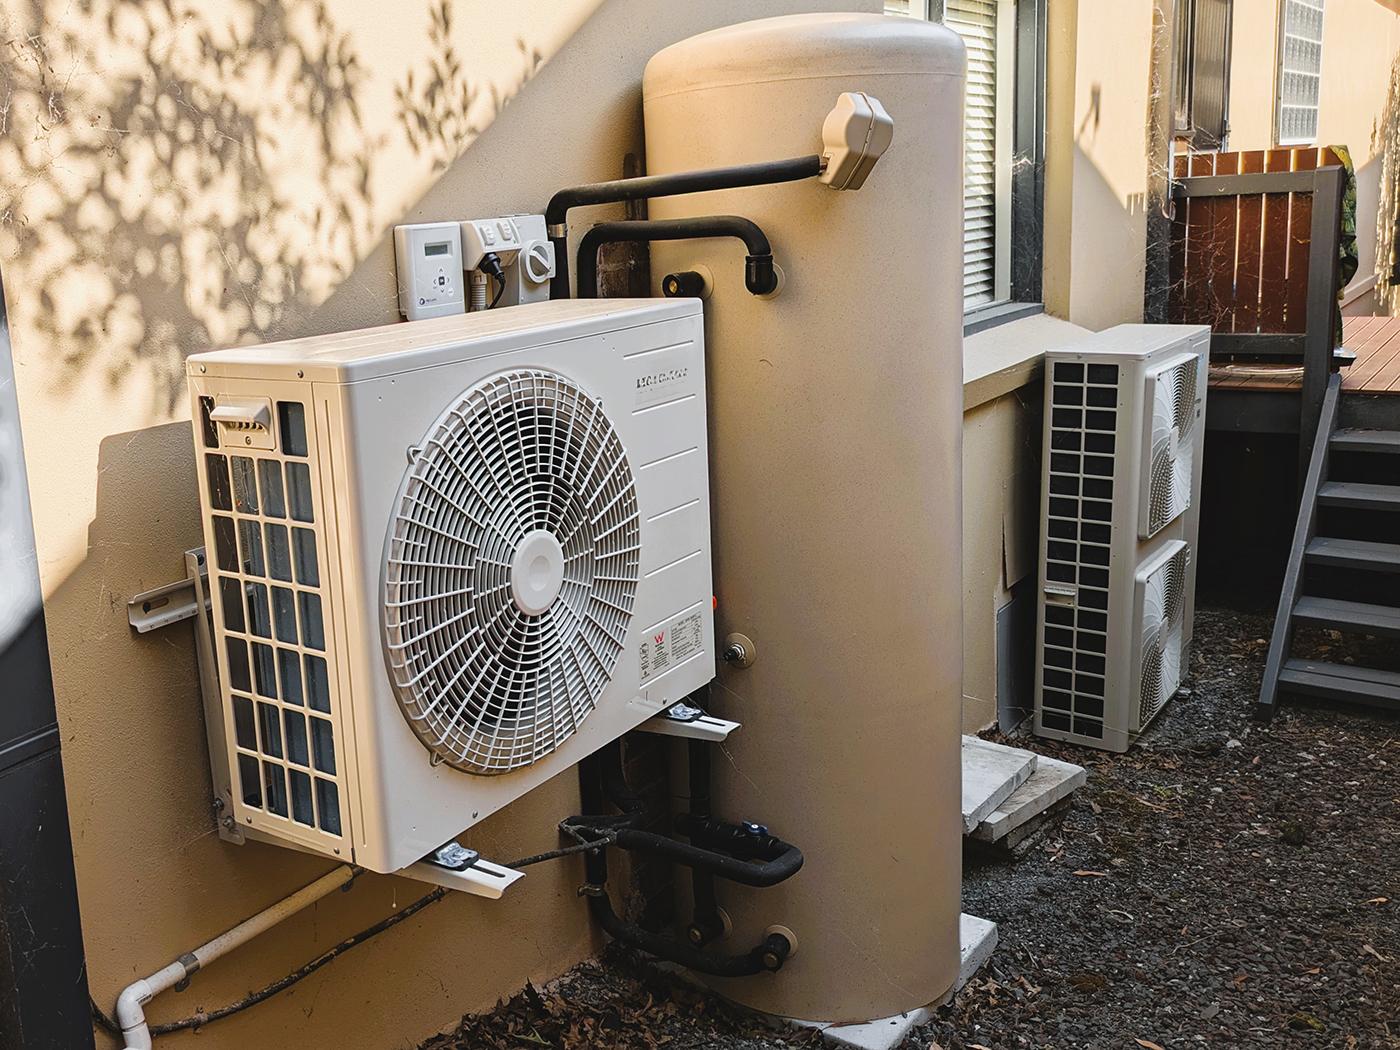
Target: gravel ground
[{"x": 1221, "y": 885}]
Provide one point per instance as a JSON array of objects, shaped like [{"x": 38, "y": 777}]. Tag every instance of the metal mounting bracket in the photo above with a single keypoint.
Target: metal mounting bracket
[
  {"x": 480, "y": 879},
  {"x": 172, "y": 602},
  {"x": 690, "y": 723}
]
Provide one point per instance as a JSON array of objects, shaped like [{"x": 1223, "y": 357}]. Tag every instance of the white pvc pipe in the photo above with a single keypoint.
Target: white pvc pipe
[{"x": 131, "y": 1014}]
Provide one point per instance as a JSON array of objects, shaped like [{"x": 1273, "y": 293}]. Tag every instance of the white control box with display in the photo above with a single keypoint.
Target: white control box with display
[{"x": 429, "y": 258}]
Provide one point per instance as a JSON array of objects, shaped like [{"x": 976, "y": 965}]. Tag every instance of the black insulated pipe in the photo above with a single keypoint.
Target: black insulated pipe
[
  {"x": 556, "y": 213},
  {"x": 766, "y": 957},
  {"x": 760, "y": 276},
  {"x": 706, "y": 923},
  {"x": 735, "y": 852}
]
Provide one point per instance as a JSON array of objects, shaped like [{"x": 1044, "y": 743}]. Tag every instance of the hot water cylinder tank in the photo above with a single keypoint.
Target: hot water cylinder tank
[{"x": 836, "y": 414}]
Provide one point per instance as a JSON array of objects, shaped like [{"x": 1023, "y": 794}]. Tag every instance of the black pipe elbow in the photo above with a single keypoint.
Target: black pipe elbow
[
  {"x": 764, "y": 173},
  {"x": 767, "y": 957},
  {"x": 760, "y": 273}
]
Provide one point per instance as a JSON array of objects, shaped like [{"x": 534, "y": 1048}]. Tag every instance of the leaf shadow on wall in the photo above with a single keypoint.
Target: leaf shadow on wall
[
  {"x": 441, "y": 112},
  {"x": 175, "y": 178}
]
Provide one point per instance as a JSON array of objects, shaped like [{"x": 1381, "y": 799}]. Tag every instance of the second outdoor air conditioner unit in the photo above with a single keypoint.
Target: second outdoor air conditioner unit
[
  {"x": 1120, "y": 512},
  {"x": 447, "y": 560}
]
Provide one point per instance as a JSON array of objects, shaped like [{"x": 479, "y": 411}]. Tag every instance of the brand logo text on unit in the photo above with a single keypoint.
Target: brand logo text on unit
[{"x": 670, "y": 375}]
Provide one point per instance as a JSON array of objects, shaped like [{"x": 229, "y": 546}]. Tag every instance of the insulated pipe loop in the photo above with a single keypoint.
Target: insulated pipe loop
[
  {"x": 765, "y": 173},
  {"x": 760, "y": 275}
]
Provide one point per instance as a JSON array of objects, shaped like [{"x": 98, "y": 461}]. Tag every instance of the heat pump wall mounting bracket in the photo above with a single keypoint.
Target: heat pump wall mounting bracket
[
  {"x": 689, "y": 723},
  {"x": 169, "y": 603}
]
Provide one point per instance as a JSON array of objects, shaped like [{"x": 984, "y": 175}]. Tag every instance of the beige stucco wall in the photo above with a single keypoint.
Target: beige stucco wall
[
  {"x": 1000, "y": 521},
  {"x": 217, "y": 172},
  {"x": 1359, "y": 103},
  {"x": 1098, "y": 98}
]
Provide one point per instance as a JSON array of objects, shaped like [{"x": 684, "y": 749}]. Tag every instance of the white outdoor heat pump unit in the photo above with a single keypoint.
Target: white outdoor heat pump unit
[
  {"x": 1120, "y": 510},
  {"x": 447, "y": 560}
]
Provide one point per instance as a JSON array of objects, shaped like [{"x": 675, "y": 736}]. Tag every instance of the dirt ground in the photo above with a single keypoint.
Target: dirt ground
[{"x": 1222, "y": 885}]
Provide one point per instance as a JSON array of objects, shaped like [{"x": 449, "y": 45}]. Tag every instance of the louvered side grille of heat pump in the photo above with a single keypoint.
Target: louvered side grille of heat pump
[
  {"x": 488, "y": 683},
  {"x": 1083, "y": 433},
  {"x": 1163, "y": 613},
  {"x": 1172, "y": 454}
]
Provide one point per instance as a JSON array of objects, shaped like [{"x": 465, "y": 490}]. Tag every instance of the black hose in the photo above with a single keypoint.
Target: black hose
[
  {"x": 750, "y": 858},
  {"x": 764, "y": 957},
  {"x": 760, "y": 277},
  {"x": 556, "y": 213},
  {"x": 770, "y": 872}
]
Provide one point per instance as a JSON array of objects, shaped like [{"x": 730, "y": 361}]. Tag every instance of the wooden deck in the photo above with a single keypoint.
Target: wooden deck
[{"x": 1374, "y": 340}]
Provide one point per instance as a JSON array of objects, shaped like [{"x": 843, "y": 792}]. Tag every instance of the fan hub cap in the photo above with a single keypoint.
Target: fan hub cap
[{"x": 536, "y": 572}]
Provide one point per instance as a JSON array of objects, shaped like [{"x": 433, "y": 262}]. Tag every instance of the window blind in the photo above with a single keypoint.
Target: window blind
[
  {"x": 976, "y": 22},
  {"x": 1300, "y": 71}
]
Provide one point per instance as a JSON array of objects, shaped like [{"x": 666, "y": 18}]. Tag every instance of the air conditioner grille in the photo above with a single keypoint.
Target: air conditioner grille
[
  {"x": 521, "y": 491},
  {"x": 267, "y": 590},
  {"x": 1083, "y": 446}
]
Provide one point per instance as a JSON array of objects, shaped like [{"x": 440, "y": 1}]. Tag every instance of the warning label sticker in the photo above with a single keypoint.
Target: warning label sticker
[{"x": 671, "y": 644}]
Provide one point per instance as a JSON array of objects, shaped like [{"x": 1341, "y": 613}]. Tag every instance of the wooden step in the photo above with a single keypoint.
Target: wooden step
[
  {"x": 1359, "y": 496},
  {"x": 1363, "y": 685},
  {"x": 1354, "y": 554},
  {"x": 1367, "y": 441},
  {"x": 1358, "y": 617}
]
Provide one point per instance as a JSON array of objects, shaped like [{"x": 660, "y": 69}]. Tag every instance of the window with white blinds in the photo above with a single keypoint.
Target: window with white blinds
[
  {"x": 1300, "y": 72},
  {"x": 986, "y": 265},
  {"x": 976, "y": 22}
]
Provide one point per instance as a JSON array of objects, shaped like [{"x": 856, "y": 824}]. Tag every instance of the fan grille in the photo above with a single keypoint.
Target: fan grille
[
  {"x": 1169, "y": 491},
  {"x": 1164, "y": 616},
  {"x": 524, "y": 469}
]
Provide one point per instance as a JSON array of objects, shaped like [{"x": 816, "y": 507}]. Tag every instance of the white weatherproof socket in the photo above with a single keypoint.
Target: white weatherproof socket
[{"x": 429, "y": 260}]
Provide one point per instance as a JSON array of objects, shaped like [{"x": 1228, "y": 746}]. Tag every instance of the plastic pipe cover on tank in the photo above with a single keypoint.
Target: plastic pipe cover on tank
[{"x": 835, "y": 441}]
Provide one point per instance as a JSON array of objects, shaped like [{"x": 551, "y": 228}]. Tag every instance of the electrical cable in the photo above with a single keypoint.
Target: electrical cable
[
  {"x": 104, "y": 1021},
  {"x": 491, "y": 265}
]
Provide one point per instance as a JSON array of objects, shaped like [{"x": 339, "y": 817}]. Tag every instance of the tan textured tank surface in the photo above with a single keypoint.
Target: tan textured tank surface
[{"x": 836, "y": 415}]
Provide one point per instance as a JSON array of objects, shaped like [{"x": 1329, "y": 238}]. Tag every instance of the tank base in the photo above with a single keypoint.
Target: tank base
[{"x": 978, "y": 939}]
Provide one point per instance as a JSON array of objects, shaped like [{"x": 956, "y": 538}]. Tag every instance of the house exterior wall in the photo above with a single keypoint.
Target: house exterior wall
[
  {"x": 176, "y": 178},
  {"x": 1359, "y": 107},
  {"x": 1100, "y": 55},
  {"x": 1000, "y": 525}
]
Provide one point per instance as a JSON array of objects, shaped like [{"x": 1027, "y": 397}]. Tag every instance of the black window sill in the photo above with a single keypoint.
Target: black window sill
[{"x": 984, "y": 317}]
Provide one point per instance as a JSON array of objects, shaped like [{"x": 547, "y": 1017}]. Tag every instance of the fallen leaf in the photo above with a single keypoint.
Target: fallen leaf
[
  {"x": 1314, "y": 971},
  {"x": 1084, "y": 874},
  {"x": 1302, "y": 1019},
  {"x": 1148, "y": 1044}
]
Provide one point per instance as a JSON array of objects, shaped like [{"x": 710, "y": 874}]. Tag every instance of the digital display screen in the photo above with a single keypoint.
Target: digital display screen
[{"x": 440, "y": 248}]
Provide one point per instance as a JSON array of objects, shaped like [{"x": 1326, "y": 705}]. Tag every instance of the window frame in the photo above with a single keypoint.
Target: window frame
[
  {"x": 1020, "y": 182},
  {"x": 1279, "y": 71},
  {"x": 1185, "y": 52}
]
